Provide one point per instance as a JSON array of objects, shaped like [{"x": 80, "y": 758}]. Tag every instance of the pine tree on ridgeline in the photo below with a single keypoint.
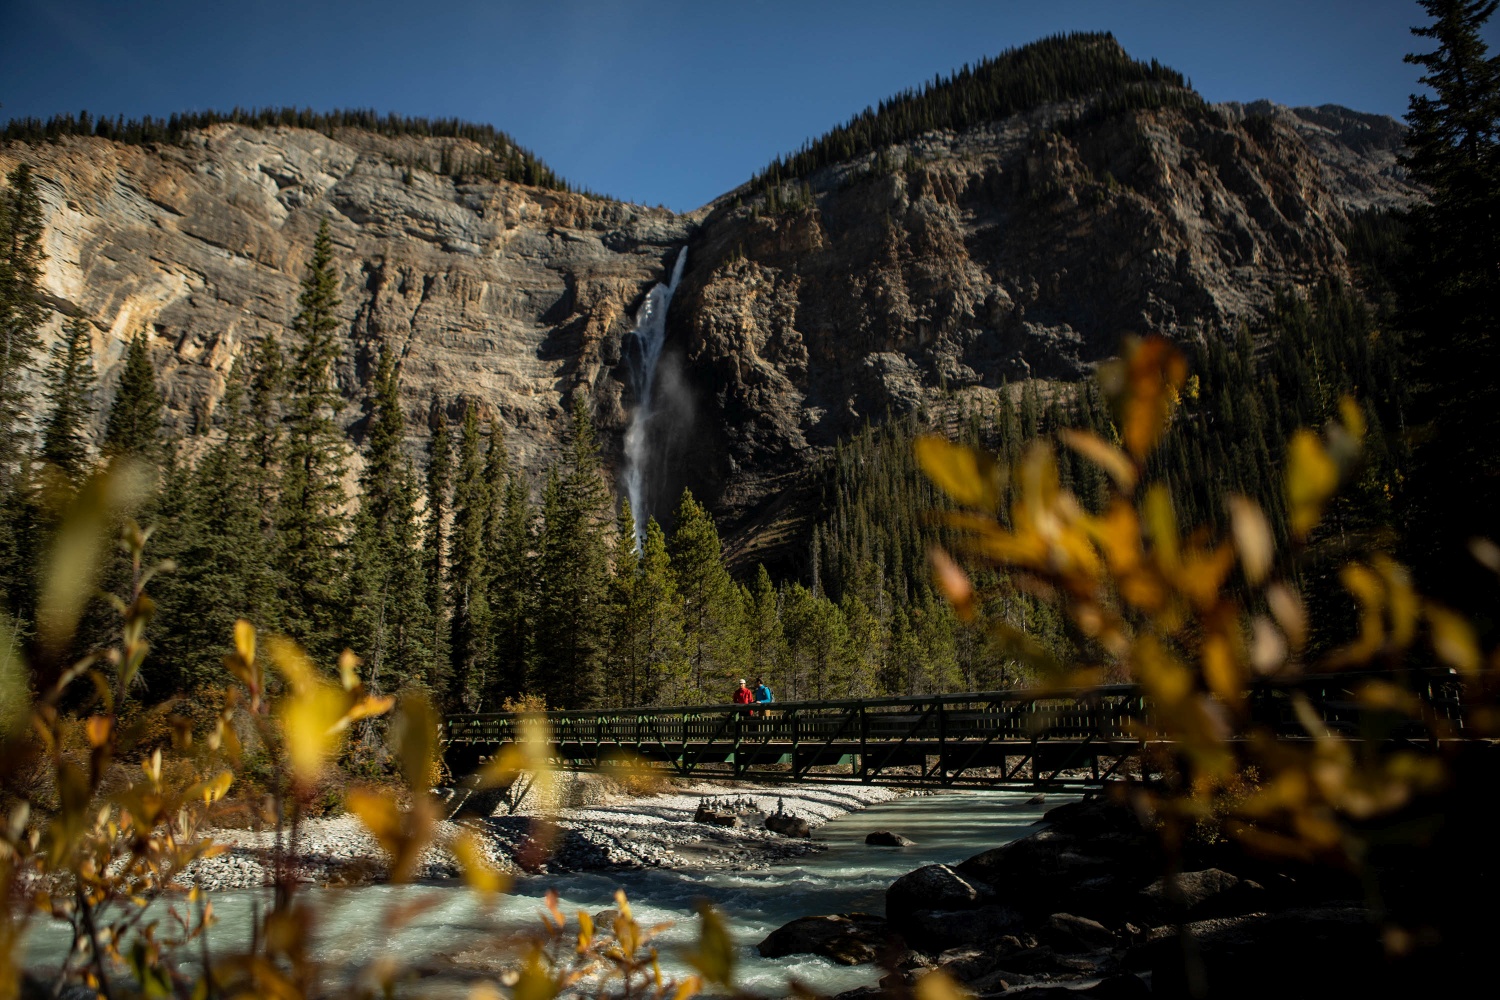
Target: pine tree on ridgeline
[
  {"x": 133, "y": 428},
  {"x": 310, "y": 521},
  {"x": 70, "y": 400},
  {"x": 390, "y": 620},
  {"x": 435, "y": 561},
  {"x": 572, "y": 596}
]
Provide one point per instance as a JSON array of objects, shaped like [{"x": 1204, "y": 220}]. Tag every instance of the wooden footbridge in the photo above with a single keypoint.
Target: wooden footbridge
[{"x": 1018, "y": 738}]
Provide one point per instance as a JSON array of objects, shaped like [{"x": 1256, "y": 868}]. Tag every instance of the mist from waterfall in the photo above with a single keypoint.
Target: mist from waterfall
[{"x": 648, "y": 337}]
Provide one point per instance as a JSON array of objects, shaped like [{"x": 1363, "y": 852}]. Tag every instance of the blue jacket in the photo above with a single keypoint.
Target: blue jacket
[{"x": 763, "y": 693}]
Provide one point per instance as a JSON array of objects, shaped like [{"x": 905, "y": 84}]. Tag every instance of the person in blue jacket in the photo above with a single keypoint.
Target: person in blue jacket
[{"x": 763, "y": 694}]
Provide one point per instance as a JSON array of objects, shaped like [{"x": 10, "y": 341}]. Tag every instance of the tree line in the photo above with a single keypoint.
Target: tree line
[
  {"x": 1059, "y": 68},
  {"x": 503, "y": 158}
]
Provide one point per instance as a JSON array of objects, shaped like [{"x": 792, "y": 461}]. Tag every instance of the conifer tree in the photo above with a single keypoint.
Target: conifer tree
[
  {"x": 472, "y": 502},
  {"x": 21, "y": 310},
  {"x": 573, "y": 574},
  {"x": 214, "y": 533},
  {"x": 1451, "y": 287},
  {"x": 134, "y": 425},
  {"x": 310, "y": 525},
  {"x": 713, "y": 622},
  {"x": 435, "y": 568},
  {"x": 658, "y": 624},
  {"x": 511, "y": 593},
  {"x": 70, "y": 392},
  {"x": 391, "y": 621},
  {"x": 763, "y": 622}
]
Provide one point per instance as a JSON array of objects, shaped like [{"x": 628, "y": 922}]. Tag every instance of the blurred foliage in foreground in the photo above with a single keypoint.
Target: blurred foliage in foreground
[
  {"x": 105, "y": 814},
  {"x": 1198, "y": 616}
]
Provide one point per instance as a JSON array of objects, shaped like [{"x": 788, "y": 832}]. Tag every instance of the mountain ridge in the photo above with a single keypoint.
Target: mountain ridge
[{"x": 955, "y": 262}]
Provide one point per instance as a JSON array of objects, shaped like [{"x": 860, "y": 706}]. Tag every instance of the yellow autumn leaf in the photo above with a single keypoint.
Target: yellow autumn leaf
[
  {"x": 714, "y": 955},
  {"x": 535, "y": 981},
  {"x": 965, "y": 474},
  {"x": 1311, "y": 477},
  {"x": 1453, "y": 639},
  {"x": 952, "y": 582},
  {"x": 244, "y": 640},
  {"x": 1252, "y": 538},
  {"x": 938, "y": 985},
  {"x": 309, "y": 717},
  {"x": 348, "y": 670},
  {"x": 416, "y": 741},
  {"x": 1115, "y": 463},
  {"x": 1163, "y": 678},
  {"x": 480, "y": 875}
]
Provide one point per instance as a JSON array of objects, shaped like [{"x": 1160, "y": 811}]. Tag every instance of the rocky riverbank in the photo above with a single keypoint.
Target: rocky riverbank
[
  {"x": 1081, "y": 908},
  {"x": 589, "y": 824}
]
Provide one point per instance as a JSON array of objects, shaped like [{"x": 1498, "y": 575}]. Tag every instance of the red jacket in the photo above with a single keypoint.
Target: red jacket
[{"x": 743, "y": 696}]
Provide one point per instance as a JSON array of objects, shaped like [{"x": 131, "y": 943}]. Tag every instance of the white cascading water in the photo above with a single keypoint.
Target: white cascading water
[{"x": 649, "y": 335}]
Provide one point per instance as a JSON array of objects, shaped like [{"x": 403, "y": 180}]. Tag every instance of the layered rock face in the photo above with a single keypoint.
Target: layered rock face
[
  {"x": 510, "y": 296},
  {"x": 956, "y": 262},
  {"x": 1025, "y": 249}
]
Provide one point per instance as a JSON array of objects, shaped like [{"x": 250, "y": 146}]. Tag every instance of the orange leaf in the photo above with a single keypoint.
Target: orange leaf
[
  {"x": 1115, "y": 463},
  {"x": 968, "y": 476}
]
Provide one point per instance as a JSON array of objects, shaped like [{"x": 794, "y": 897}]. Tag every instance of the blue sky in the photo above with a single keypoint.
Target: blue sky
[{"x": 669, "y": 102}]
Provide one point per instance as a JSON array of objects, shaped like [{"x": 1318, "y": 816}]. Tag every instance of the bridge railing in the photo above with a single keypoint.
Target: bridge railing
[{"x": 1109, "y": 712}]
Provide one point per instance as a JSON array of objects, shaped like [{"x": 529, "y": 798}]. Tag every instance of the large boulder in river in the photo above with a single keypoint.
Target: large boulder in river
[
  {"x": 846, "y": 938},
  {"x": 937, "y": 931},
  {"x": 1200, "y": 896},
  {"x": 1333, "y": 952},
  {"x": 931, "y": 887},
  {"x": 885, "y": 838},
  {"x": 1067, "y": 933},
  {"x": 1092, "y": 860}
]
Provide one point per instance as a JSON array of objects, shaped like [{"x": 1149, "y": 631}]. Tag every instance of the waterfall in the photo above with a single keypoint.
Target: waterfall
[{"x": 649, "y": 335}]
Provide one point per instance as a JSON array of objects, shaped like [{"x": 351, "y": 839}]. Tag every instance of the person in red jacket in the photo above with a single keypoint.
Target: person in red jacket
[{"x": 743, "y": 695}]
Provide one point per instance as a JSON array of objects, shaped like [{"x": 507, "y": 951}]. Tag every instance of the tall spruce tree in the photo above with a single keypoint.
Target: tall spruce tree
[
  {"x": 712, "y": 616},
  {"x": 665, "y": 673},
  {"x": 135, "y": 413},
  {"x": 215, "y": 536},
  {"x": 512, "y": 595},
  {"x": 1453, "y": 283},
  {"x": 647, "y": 665},
  {"x": 472, "y": 502},
  {"x": 763, "y": 622},
  {"x": 21, "y": 310},
  {"x": 573, "y": 587},
  {"x": 390, "y": 618},
  {"x": 435, "y": 565},
  {"x": 70, "y": 400},
  {"x": 310, "y": 522}
]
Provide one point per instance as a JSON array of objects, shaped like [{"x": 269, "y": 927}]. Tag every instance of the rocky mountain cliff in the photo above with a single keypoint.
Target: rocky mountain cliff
[{"x": 950, "y": 263}]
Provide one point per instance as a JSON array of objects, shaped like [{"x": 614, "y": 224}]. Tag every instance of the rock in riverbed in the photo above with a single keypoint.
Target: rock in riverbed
[
  {"x": 931, "y": 887},
  {"x": 788, "y": 825},
  {"x": 885, "y": 838},
  {"x": 714, "y": 817},
  {"x": 845, "y": 938}
]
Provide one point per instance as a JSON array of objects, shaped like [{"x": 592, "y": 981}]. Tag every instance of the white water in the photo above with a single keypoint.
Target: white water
[
  {"x": 847, "y": 877},
  {"x": 649, "y": 335}
]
